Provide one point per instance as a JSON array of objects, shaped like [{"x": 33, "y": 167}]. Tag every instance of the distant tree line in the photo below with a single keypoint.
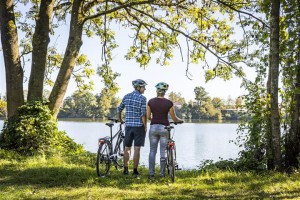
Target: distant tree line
[
  {"x": 87, "y": 105},
  {"x": 84, "y": 104}
]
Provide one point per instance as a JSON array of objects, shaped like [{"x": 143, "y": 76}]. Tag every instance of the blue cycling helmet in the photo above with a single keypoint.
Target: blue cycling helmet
[{"x": 139, "y": 83}]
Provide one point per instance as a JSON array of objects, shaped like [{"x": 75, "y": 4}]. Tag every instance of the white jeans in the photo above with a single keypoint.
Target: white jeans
[{"x": 157, "y": 133}]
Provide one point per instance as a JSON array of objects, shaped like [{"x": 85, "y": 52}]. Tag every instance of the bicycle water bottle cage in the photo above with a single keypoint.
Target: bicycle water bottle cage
[{"x": 109, "y": 124}]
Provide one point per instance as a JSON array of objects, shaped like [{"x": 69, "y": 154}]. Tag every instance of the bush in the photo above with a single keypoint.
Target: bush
[
  {"x": 210, "y": 165},
  {"x": 246, "y": 162},
  {"x": 33, "y": 130}
]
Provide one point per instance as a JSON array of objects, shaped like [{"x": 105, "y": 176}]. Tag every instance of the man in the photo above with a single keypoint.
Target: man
[{"x": 136, "y": 123}]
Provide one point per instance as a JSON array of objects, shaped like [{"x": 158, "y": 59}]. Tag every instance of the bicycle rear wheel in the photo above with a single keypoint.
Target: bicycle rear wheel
[
  {"x": 119, "y": 151},
  {"x": 171, "y": 164},
  {"x": 103, "y": 161}
]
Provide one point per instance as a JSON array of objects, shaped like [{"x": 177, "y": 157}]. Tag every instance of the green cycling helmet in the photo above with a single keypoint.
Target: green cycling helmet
[{"x": 162, "y": 86}]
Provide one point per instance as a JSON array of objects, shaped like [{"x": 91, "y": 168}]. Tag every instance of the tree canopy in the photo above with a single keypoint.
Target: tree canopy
[{"x": 157, "y": 26}]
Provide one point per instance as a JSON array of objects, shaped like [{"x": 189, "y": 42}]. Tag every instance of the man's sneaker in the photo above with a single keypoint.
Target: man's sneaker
[
  {"x": 162, "y": 175},
  {"x": 136, "y": 175},
  {"x": 125, "y": 171},
  {"x": 151, "y": 177}
]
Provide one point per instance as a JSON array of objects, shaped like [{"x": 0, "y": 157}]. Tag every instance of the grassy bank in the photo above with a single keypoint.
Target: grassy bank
[{"x": 75, "y": 178}]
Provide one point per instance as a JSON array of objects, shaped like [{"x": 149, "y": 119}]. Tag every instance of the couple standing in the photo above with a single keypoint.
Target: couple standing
[{"x": 136, "y": 115}]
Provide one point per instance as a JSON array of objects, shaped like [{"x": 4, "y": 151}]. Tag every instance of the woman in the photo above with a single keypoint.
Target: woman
[{"x": 158, "y": 109}]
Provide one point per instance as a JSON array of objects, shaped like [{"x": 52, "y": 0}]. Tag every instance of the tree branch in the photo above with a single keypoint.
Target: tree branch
[
  {"x": 243, "y": 12},
  {"x": 126, "y": 5},
  {"x": 191, "y": 38}
]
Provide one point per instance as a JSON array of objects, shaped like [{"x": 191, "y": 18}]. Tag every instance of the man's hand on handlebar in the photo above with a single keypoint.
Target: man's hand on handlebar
[
  {"x": 116, "y": 120},
  {"x": 121, "y": 121}
]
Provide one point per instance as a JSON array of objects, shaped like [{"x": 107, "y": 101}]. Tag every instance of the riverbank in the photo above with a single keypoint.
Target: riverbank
[{"x": 74, "y": 177}]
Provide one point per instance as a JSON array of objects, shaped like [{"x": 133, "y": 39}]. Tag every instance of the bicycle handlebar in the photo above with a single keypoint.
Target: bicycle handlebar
[
  {"x": 179, "y": 122},
  {"x": 115, "y": 120},
  {"x": 171, "y": 127}
]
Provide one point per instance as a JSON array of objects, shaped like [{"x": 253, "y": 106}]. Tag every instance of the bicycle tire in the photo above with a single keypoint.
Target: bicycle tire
[
  {"x": 119, "y": 151},
  {"x": 171, "y": 164},
  {"x": 103, "y": 161}
]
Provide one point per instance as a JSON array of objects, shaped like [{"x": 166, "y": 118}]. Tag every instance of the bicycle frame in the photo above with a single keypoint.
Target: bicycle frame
[{"x": 112, "y": 137}]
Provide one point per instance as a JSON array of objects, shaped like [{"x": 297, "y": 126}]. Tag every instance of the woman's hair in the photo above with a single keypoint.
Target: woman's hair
[{"x": 160, "y": 93}]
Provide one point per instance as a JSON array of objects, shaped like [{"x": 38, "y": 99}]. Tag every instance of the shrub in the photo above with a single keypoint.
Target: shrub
[{"x": 33, "y": 130}]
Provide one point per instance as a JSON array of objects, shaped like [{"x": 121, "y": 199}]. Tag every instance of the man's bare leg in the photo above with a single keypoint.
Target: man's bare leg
[
  {"x": 126, "y": 159},
  {"x": 136, "y": 157}
]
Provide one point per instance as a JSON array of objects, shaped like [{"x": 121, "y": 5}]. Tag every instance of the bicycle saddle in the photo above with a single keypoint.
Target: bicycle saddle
[{"x": 110, "y": 124}]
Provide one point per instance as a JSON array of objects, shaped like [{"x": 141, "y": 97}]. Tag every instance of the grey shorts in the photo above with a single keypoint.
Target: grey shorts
[{"x": 136, "y": 134}]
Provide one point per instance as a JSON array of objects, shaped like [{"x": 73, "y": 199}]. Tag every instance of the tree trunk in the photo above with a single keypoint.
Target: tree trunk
[
  {"x": 13, "y": 69},
  {"x": 274, "y": 75},
  {"x": 74, "y": 43},
  {"x": 40, "y": 43},
  {"x": 270, "y": 160},
  {"x": 292, "y": 140}
]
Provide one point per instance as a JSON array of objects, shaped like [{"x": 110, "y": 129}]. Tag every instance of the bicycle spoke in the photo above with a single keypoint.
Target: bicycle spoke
[
  {"x": 119, "y": 152},
  {"x": 171, "y": 165}
]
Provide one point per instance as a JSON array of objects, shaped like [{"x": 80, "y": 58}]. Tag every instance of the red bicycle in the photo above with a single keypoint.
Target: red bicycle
[{"x": 171, "y": 163}]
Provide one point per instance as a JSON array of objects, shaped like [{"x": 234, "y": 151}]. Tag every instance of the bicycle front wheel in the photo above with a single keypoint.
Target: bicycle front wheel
[
  {"x": 171, "y": 164},
  {"x": 103, "y": 161},
  {"x": 119, "y": 151}
]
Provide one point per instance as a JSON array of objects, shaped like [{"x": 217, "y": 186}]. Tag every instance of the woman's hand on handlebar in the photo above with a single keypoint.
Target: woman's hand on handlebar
[{"x": 178, "y": 121}]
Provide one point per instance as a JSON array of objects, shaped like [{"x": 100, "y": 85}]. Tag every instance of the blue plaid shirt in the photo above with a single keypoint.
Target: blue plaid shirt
[{"x": 135, "y": 104}]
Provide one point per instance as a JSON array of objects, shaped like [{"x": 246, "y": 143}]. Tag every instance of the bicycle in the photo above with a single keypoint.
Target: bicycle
[
  {"x": 108, "y": 154},
  {"x": 171, "y": 163}
]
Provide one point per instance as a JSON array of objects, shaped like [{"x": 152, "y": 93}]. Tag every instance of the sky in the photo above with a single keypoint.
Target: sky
[{"x": 174, "y": 74}]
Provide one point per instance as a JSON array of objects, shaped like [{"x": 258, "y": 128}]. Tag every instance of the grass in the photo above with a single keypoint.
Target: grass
[{"x": 75, "y": 178}]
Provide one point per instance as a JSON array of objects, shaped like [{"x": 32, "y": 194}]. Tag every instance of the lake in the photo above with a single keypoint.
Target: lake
[{"x": 195, "y": 142}]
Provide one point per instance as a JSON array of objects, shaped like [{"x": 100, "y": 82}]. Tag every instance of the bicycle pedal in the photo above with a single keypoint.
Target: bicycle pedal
[
  {"x": 111, "y": 157},
  {"x": 177, "y": 168}
]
